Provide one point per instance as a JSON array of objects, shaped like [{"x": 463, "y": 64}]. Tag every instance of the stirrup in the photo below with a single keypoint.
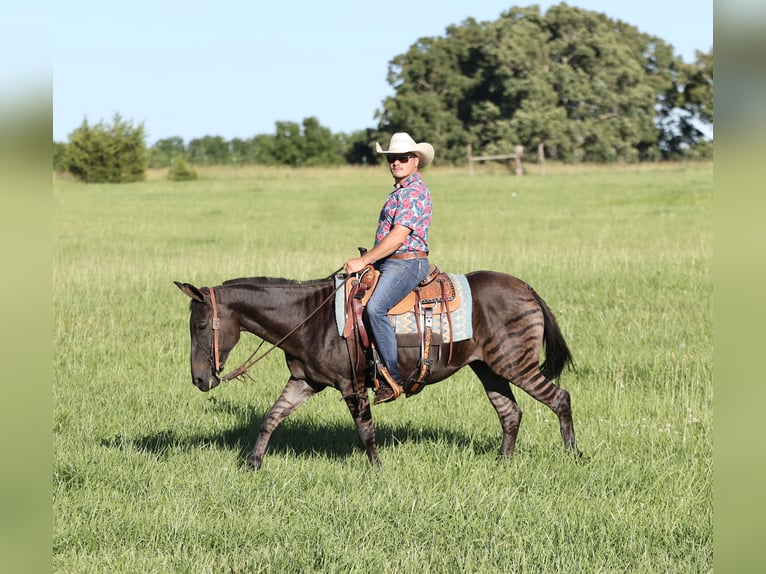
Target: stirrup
[{"x": 395, "y": 387}]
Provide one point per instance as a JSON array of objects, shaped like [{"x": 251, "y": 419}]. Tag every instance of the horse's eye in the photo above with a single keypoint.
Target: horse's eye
[{"x": 200, "y": 326}]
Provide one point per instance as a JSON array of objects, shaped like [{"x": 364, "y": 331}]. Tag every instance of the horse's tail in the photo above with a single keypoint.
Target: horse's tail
[{"x": 557, "y": 354}]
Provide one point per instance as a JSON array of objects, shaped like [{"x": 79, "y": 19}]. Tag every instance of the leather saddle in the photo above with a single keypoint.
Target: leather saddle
[
  {"x": 435, "y": 289},
  {"x": 435, "y": 294}
]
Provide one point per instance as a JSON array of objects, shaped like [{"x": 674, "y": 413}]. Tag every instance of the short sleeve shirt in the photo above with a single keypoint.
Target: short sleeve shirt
[{"x": 409, "y": 204}]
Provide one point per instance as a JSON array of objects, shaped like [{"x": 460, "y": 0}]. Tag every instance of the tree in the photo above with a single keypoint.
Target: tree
[
  {"x": 60, "y": 156},
  {"x": 434, "y": 84},
  {"x": 614, "y": 105},
  {"x": 683, "y": 125},
  {"x": 209, "y": 150},
  {"x": 698, "y": 102},
  {"x": 698, "y": 90},
  {"x": 318, "y": 146},
  {"x": 241, "y": 151},
  {"x": 108, "y": 153},
  {"x": 586, "y": 86},
  {"x": 297, "y": 144},
  {"x": 358, "y": 147},
  {"x": 262, "y": 149},
  {"x": 164, "y": 151},
  {"x": 287, "y": 144}
]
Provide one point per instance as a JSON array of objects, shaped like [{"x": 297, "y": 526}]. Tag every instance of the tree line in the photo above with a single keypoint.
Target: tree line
[
  {"x": 580, "y": 85},
  {"x": 294, "y": 144}
]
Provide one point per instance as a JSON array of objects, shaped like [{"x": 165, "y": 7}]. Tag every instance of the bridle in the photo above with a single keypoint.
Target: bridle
[{"x": 215, "y": 359}]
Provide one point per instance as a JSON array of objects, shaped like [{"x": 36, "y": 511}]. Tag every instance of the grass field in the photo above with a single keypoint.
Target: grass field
[{"x": 149, "y": 472}]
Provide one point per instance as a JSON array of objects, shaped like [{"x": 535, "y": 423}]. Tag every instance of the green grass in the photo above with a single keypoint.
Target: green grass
[{"x": 149, "y": 472}]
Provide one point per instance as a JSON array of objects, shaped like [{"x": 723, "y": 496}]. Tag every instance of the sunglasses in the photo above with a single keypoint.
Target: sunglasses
[{"x": 400, "y": 158}]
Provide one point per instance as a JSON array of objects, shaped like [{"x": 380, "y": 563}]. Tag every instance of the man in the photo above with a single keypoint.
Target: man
[{"x": 400, "y": 251}]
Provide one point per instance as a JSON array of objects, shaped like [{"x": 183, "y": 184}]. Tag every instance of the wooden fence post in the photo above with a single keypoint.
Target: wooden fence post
[{"x": 519, "y": 152}]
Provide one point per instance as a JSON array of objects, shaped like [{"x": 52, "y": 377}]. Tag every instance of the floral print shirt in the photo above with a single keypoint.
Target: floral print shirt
[{"x": 409, "y": 204}]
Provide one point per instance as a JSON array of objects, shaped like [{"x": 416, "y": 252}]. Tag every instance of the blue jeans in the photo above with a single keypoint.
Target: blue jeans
[{"x": 397, "y": 278}]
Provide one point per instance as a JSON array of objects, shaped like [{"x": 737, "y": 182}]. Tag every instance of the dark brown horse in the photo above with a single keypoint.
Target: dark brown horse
[{"x": 511, "y": 323}]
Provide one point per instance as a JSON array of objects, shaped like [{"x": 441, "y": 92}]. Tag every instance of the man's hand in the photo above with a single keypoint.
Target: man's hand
[
  {"x": 354, "y": 265},
  {"x": 386, "y": 247}
]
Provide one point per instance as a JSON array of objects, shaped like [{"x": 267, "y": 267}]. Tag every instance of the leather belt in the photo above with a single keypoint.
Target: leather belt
[{"x": 409, "y": 255}]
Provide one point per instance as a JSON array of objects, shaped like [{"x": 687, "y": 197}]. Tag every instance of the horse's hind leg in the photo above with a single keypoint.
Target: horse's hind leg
[
  {"x": 295, "y": 393},
  {"x": 531, "y": 379},
  {"x": 500, "y": 395}
]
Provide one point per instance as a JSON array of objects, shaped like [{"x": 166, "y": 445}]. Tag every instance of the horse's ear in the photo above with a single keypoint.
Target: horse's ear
[{"x": 191, "y": 291}]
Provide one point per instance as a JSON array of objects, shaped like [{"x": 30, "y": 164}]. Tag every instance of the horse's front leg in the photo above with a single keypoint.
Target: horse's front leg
[
  {"x": 295, "y": 393},
  {"x": 359, "y": 406}
]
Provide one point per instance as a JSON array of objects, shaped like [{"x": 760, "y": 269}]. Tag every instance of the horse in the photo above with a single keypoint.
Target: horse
[{"x": 511, "y": 326}]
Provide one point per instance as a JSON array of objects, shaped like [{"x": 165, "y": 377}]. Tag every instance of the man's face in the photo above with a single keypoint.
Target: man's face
[{"x": 403, "y": 165}]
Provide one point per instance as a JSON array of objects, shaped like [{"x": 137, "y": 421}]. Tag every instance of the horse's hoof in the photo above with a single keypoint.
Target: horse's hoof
[{"x": 578, "y": 455}]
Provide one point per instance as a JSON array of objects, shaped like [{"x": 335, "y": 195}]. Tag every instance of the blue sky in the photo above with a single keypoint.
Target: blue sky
[{"x": 234, "y": 68}]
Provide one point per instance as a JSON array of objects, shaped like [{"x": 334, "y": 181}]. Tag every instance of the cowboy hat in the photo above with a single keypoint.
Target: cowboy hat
[{"x": 402, "y": 143}]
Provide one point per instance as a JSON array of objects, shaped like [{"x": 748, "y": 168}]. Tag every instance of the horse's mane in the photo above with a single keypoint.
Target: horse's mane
[{"x": 272, "y": 281}]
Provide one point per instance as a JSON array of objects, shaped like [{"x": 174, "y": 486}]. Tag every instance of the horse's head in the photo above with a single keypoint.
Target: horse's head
[{"x": 214, "y": 333}]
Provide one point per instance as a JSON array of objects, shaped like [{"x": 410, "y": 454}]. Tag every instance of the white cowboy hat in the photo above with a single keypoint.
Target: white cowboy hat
[{"x": 402, "y": 143}]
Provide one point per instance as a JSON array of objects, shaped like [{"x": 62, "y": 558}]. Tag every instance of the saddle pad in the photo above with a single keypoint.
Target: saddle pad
[{"x": 461, "y": 317}]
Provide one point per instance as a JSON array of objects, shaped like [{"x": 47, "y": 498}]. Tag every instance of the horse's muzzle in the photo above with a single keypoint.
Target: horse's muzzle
[{"x": 205, "y": 384}]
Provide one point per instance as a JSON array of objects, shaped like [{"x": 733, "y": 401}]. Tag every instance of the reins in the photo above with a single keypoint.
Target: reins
[{"x": 252, "y": 359}]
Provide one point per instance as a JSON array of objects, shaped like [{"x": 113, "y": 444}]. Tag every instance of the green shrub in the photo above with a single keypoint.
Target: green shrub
[
  {"x": 106, "y": 153},
  {"x": 180, "y": 170}
]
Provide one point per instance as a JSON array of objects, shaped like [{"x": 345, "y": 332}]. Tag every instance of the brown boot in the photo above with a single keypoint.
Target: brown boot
[
  {"x": 388, "y": 389},
  {"x": 384, "y": 394}
]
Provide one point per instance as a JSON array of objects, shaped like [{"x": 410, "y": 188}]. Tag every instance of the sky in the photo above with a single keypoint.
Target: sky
[{"x": 235, "y": 68}]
